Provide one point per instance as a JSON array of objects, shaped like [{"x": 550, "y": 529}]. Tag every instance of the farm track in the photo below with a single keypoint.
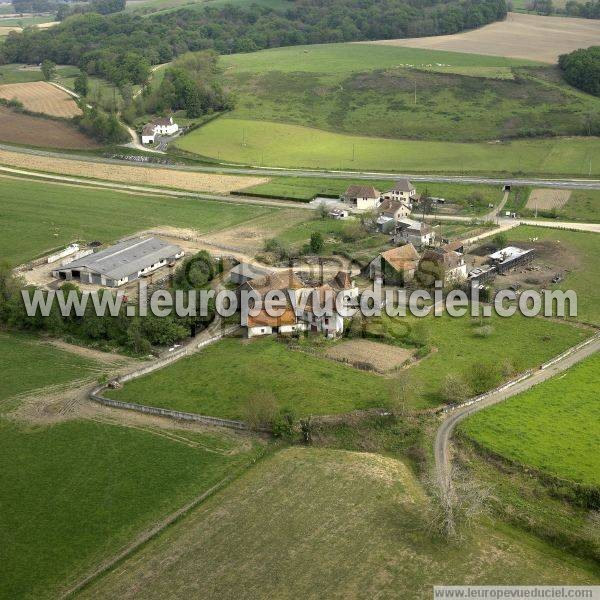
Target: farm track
[{"x": 442, "y": 451}]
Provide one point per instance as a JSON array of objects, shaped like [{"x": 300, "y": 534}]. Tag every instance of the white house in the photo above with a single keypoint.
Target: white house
[
  {"x": 362, "y": 197},
  {"x": 403, "y": 190},
  {"x": 162, "y": 126},
  {"x": 390, "y": 212},
  {"x": 414, "y": 232}
]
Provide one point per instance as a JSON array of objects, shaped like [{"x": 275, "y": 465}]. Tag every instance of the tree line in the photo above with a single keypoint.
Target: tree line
[
  {"x": 581, "y": 68},
  {"x": 121, "y": 47}
]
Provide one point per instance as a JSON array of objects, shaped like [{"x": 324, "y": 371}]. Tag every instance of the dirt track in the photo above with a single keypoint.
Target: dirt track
[
  {"x": 521, "y": 36},
  {"x": 41, "y": 97}
]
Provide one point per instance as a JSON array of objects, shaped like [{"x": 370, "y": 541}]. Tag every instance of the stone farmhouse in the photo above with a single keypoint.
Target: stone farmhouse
[
  {"x": 450, "y": 263},
  {"x": 403, "y": 190},
  {"x": 390, "y": 212},
  {"x": 396, "y": 266},
  {"x": 361, "y": 197},
  {"x": 417, "y": 233}
]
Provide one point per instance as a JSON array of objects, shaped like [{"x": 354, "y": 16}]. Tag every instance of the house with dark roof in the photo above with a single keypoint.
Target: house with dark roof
[
  {"x": 396, "y": 266},
  {"x": 361, "y": 197}
]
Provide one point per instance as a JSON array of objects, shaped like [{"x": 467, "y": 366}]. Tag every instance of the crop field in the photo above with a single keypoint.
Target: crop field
[
  {"x": 76, "y": 492},
  {"x": 41, "y": 97},
  {"x": 547, "y": 199},
  {"x": 520, "y": 36},
  {"x": 363, "y": 515},
  {"x": 553, "y": 428},
  {"x": 573, "y": 253},
  {"x": 28, "y": 364},
  {"x": 37, "y": 217},
  {"x": 167, "y": 178},
  {"x": 225, "y": 377},
  {"x": 29, "y": 130},
  {"x": 277, "y": 144}
]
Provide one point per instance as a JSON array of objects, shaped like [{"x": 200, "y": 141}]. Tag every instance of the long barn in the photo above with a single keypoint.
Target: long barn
[{"x": 121, "y": 263}]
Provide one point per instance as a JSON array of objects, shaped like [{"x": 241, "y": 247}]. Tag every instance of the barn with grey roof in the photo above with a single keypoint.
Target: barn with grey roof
[{"x": 122, "y": 263}]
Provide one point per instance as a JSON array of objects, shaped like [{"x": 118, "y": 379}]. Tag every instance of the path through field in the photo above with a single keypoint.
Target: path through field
[{"x": 520, "y": 36}]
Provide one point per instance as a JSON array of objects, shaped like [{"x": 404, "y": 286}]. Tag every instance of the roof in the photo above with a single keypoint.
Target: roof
[
  {"x": 163, "y": 121},
  {"x": 283, "y": 280},
  {"x": 361, "y": 191},
  {"x": 325, "y": 296},
  {"x": 249, "y": 271},
  {"x": 126, "y": 257},
  {"x": 263, "y": 318},
  {"x": 403, "y": 185},
  {"x": 391, "y": 206},
  {"x": 508, "y": 253},
  {"x": 148, "y": 129},
  {"x": 402, "y": 257},
  {"x": 453, "y": 246},
  {"x": 449, "y": 259},
  {"x": 407, "y": 223}
]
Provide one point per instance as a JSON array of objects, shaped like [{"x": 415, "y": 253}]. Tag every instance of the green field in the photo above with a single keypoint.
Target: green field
[
  {"x": 553, "y": 428},
  {"x": 470, "y": 198},
  {"x": 221, "y": 379},
  {"x": 17, "y": 73},
  {"x": 36, "y": 217},
  {"x": 580, "y": 247},
  {"x": 28, "y": 364},
  {"x": 321, "y": 523},
  {"x": 276, "y": 144},
  {"x": 74, "y": 493},
  {"x": 583, "y": 205}
]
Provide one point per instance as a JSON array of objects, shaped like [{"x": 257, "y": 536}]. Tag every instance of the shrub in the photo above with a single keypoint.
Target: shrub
[
  {"x": 483, "y": 376},
  {"x": 455, "y": 389},
  {"x": 484, "y": 331},
  {"x": 261, "y": 410}
]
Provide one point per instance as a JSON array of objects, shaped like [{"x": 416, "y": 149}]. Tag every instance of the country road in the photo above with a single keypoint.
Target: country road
[
  {"x": 228, "y": 168},
  {"x": 455, "y": 416}
]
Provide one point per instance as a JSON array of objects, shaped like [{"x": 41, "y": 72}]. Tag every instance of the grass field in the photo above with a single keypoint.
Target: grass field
[
  {"x": 221, "y": 380},
  {"x": 404, "y": 93},
  {"x": 18, "y": 73},
  {"x": 554, "y": 427},
  {"x": 582, "y": 248},
  {"x": 277, "y": 144},
  {"x": 583, "y": 205},
  {"x": 36, "y": 217},
  {"x": 28, "y": 364},
  {"x": 73, "y": 494},
  {"x": 364, "y": 517}
]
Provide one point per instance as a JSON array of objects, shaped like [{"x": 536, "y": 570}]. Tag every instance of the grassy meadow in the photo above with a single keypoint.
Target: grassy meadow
[
  {"x": 553, "y": 428},
  {"x": 36, "y": 217},
  {"x": 224, "y": 377},
  {"x": 18, "y": 73},
  {"x": 583, "y": 205},
  {"x": 363, "y": 515},
  {"x": 262, "y": 143},
  {"x": 76, "y": 492}
]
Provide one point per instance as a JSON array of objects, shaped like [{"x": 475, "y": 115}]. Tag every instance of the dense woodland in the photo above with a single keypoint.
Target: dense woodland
[
  {"x": 121, "y": 47},
  {"x": 581, "y": 68}
]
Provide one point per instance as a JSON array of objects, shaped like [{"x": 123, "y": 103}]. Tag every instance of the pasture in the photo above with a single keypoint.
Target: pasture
[
  {"x": 30, "y": 130},
  {"x": 364, "y": 517},
  {"x": 37, "y": 217},
  {"x": 20, "y": 73},
  {"x": 41, "y": 97},
  {"x": 75, "y": 493},
  {"x": 226, "y": 377},
  {"x": 532, "y": 37},
  {"x": 553, "y": 428},
  {"x": 583, "y": 205},
  {"x": 277, "y": 144}
]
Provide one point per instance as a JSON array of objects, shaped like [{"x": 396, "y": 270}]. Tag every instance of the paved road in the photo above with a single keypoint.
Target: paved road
[
  {"x": 570, "y": 183},
  {"x": 453, "y": 417}
]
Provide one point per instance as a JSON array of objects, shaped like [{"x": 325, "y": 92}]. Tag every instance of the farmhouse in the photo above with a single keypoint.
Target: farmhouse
[
  {"x": 395, "y": 266},
  {"x": 361, "y": 197},
  {"x": 403, "y": 190},
  {"x": 450, "y": 263},
  {"x": 390, "y": 212},
  {"x": 163, "y": 126},
  {"x": 122, "y": 263},
  {"x": 414, "y": 232},
  {"x": 510, "y": 257}
]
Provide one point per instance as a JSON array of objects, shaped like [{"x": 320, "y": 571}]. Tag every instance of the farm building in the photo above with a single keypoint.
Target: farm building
[
  {"x": 121, "y": 263},
  {"x": 361, "y": 197},
  {"x": 451, "y": 264},
  {"x": 338, "y": 213},
  {"x": 510, "y": 257},
  {"x": 395, "y": 266},
  {"x": 163, "y": 126},
  {"x": 414, "y": 232},
  {"x": 245, "y": 272},
  {"x": 390, "y": 212},
  {"x": 403, "y": 190}
]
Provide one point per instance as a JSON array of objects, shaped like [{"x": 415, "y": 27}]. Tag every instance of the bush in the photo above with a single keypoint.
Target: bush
[
  {"x": 284, "y": 424},
  {"x": 261, "y": 410},
  {"x": 455, "y": 389},
  {"x": 484, "y": 331},
  {"x": 483, "y": 376},
  {"x": 581, "y": 68}
]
